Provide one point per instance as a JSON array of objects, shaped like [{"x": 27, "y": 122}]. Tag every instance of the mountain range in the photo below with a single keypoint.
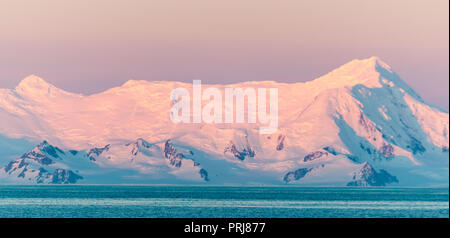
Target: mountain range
[{"x": 359, "y": 125}]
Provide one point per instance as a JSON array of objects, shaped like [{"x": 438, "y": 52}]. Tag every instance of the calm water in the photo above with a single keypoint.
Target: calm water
[{"x": 236, "y": 202}]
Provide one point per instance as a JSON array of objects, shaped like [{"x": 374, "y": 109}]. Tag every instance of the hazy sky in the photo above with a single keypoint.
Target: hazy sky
[{"x": 88, "y": 46}]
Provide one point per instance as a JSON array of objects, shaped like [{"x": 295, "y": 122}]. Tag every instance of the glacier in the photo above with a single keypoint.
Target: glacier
[{"x": 359, "y": 125}]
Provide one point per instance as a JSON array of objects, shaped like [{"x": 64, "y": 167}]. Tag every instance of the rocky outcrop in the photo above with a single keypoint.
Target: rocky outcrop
[
  {"x": 64, "y": 176},
  {"x": 368, "y": 176},
  {"x": 246, "y": 152},
  {"x": 331, "y": 150},
  {"x": 95, "y": 152},
  {"x": 387, "y": 150},
  {"x": 367, "y": 125},
  {"x": 27, "y": 171},
  {"x": 314, "y": 155},
  {"x": 296, "y": 175},
  {"x": 53, "y": 151},
  {"x": 138, "y": 146},
  {"x": 44, "y": 153},
  {"x": 280, "y": 141},
  {"x": 416, "y": 146},
  {"x": 175, "y": 159},
  {"x": 204, "y": 174},
  {"x": 171, "y": 154},
  {"x": 38, "y": 166},
  {"x": 40, "y": 158},
  {"x": 15, "y": 165},
  {"x": 300, "y": 173}
]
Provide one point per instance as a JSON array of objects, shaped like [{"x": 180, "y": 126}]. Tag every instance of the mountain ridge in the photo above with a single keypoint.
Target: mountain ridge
[
  {"x": 362, "y": 65},
  {"x": 360, "y": 114}
]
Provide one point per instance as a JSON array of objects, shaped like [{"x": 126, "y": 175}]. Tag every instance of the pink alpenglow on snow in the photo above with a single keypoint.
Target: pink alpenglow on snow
[{"x": 358, "y": 125}]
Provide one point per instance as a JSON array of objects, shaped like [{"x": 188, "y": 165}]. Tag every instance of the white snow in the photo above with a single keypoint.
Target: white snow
[{"x": 358, "y": 109}]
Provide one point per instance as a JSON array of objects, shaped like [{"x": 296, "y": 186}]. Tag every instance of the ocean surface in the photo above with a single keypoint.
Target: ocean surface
[{"x": 136, "y": 201}]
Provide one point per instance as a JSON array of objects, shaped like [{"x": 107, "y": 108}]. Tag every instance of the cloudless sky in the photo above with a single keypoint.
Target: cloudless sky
[{"x": 88, "y": 46}]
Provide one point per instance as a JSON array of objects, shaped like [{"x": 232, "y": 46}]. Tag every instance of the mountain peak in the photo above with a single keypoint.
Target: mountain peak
[
  {"x": 134, "y": 83},
  {"x": 43, "y": 143},
  {"x": 358, "y": 71},
  {"x": 35, "y": 86},
  {"x": 379, "y": 63},
  {"x": 45, "y": 147},
  {"x": 34, "y": 83},
  {"x": 372, "y": 64}
]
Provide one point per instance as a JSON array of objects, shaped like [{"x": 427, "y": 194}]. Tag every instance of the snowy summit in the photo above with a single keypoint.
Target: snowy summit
[{"x": 359, "y": 125}]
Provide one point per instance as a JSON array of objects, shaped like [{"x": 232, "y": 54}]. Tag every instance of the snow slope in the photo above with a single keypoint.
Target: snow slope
[{"x": 359, "y": 125}]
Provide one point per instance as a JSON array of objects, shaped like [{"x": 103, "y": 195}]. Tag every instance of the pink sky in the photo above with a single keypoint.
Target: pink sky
[{"x": 89, "y": 46}]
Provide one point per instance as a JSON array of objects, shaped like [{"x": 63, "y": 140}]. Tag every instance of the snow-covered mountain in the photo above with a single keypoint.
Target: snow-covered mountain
[{"x": 359, "y": 125}]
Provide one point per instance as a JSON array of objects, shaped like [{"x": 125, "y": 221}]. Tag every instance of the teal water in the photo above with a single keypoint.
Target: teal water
[{"x": 117, "y": 201}]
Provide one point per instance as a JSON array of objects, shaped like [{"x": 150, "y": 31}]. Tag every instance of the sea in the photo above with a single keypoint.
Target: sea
[{"x": 162, "y": 201}]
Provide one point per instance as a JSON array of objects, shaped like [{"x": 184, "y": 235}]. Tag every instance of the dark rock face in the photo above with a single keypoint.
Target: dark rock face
[
  {"x": 38, "y": 156},
  {"x": 387, "y": 150},
  {"x": 366, "y": 125},
  {"x": 240, "y": 155},
  {"x": 95, "y": 152},
  {"x": 314, "y": 155},
  {"x": 296, "y": 175},
  {"x": 64, "y": 176},
  {"x": 280, "y": 141},
  {"x": 204, "y": 174},
  {"x": 333, "y": 151},
  {"x": 368, "y": 176},
  {"x": 43, "y": 153},
  {"x": 416, "y": 146},
  {"x": 171, "y": 154},
  {"x": 22, "y": 174},
  {"x": 15, "y": 164},
  {"x": 45, "y": 147},
  {"x": 139, "y": 145},
  {"x": 330, "y": 150},
  {"x": 353, "y": 158},
  {"x": 175, "y": 159},
  {"x": 59, "y": 176},
  {"x": 43, "y": 174},
  {"x": 368, "y": 149}
]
